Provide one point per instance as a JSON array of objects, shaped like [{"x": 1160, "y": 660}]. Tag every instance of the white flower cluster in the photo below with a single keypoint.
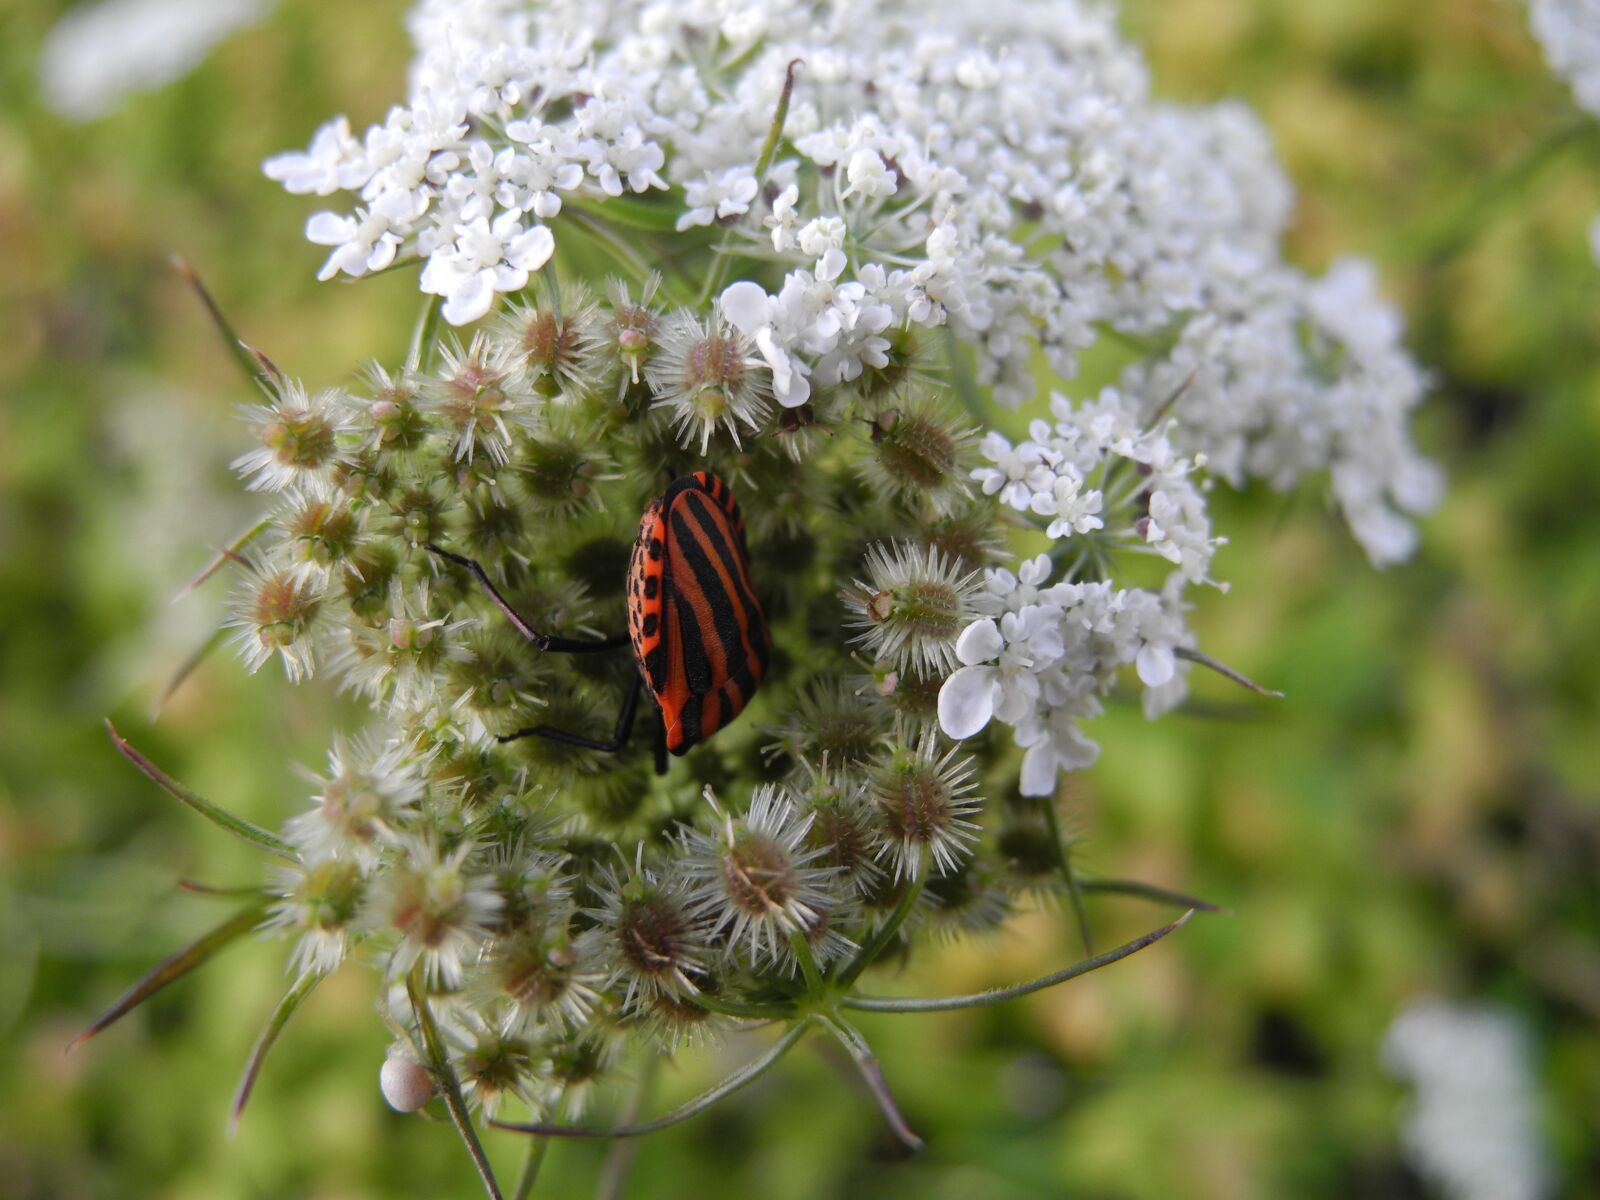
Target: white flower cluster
[
  {"x": 1474, "y": 1132},
  {"x": 1043, "y": 655},
  {"x": 999, "y": 173},
  {"x": 96, "y": 55},
  {"x": 1064, "y": 472},
  {"x": 997, "y": 169},
  {"x": 1569, "y": 32}
]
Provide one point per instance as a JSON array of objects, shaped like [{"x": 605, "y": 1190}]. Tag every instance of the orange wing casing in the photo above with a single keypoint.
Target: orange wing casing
[{"x": 698, "y": 632}]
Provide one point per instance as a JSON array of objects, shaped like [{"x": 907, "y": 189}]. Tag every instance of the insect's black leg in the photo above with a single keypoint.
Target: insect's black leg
[
  {"x": 619, "y": 736},
  {"x": 545, "y": 641},
  {"x": 660, "y": 724}
]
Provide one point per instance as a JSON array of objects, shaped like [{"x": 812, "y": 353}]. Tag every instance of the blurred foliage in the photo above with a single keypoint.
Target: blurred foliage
[{"x": 1421, "y": 815}]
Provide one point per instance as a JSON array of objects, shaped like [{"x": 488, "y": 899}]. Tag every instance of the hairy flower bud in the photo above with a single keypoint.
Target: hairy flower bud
[
  {"x": 919, "y": 452},
  {"x": 276, "y": 611},
  {"x": 925, "y": 804},
  {"x": 911, "y": 606},
  {"x": 704, "y": 375}
]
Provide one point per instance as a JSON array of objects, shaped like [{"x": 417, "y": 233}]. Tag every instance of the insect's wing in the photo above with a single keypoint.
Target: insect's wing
[{"x": 718, "y": 646}]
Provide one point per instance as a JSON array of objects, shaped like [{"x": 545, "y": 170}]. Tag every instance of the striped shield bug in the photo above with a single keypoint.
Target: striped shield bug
[{"x": 699, "y": 637}]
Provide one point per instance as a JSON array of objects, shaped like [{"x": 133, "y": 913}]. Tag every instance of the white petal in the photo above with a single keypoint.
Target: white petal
[
  {"x": 979, "y": 643},
  {"x": 329, "y": 229},
  {"x": 1038, "y": 771},
  {"x": 1155, "y": 664},
  {"x": 746, "y": 306},
  {"x": 831, "y": 265},
  {"x": 470, "y": 299},
  {"x": 796, "y": 391},
  {"x": 531, "y": 250},
  {"x": 966, "y": 702}
]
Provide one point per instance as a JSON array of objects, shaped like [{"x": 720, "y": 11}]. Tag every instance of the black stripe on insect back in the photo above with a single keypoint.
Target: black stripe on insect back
[
  {"x": 696, "y": 663},
  {"x": 736, "y": 563},
  {"x": 734, "y": 560},
  {"x": 725, "y": 619}
]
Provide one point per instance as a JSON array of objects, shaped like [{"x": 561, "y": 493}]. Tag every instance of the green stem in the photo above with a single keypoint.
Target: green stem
[
  {"x": 1000, "y": 995},
  {"x": 966, "y": 382},
  {"x": 723, "y": 256},
  {"x": 538, "y": 1147},
  {"x": 1227, "y": 672},
  {"x": 187, "y": 668},
  {"x": 1481, "y": 205},
  {"x": 425, "y": 334},
  {"x": 1149, "y": 891},
  {"x": 619, "y": 1161},
  {"x": 175, "y": 967},
  {"x": 600, "y": 231},
  {"x": 737, "y": 1008},
  {"x": 742, "y": 1077},
  {"x": 280, "y": 1017},
  {"x": 228, "y": 554},
  {"x": 808, "y": 962},
  {"x": 880, "y": 940},
  {"x": 769, "y": 148},
  {"x": 230, "y": 339},
  {"x": 449, "y": 1086}
]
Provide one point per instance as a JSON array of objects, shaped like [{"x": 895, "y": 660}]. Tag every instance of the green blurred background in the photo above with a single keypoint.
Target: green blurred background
[{"x": 1420, "y": 816}]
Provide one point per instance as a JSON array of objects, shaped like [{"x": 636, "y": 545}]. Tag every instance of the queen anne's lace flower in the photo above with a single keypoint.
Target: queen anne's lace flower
[
  {"x": 998, "y": 169},
  {"x": 842, "y": 231}
]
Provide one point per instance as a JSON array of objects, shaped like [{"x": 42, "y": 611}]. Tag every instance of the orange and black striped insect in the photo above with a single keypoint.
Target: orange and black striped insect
[{"x": 699, "y": 637}]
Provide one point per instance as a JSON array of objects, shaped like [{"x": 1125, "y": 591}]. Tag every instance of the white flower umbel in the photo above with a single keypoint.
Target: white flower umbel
[
  {"x": 1473, "y": 1130},
  {"x": 652, "y": 938},
  {"x": 318, "y": 902},
  {"x": 999, "y": 171},
  {"x": 1041, "y": 657},
  {"x": 493, "y": 1060},
  {"x": 925, "y": 802},
  {"x": 277, "y": 610},
  {"x": 298, "y": 436},
  {"x": 911, "y": 606},
  {"x": 481, "y": 392},
  {"x": 546, "y": 972},
  {"x": 1569, "y": 31},
  {"x": 398, "y": 659},
  {"x": 704, "y": 376}
]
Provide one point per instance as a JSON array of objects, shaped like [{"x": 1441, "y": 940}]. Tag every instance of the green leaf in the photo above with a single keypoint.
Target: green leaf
[
  {"x": 237, "y": 826},
  {"x": 176, "y": 967}
]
